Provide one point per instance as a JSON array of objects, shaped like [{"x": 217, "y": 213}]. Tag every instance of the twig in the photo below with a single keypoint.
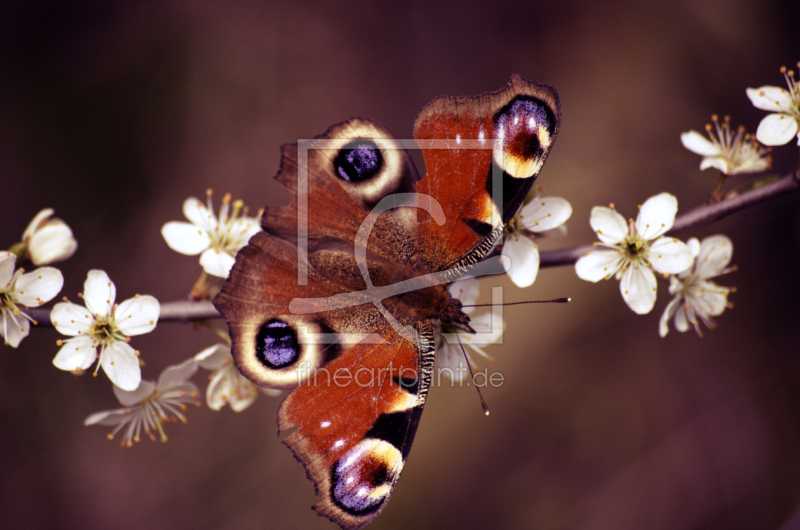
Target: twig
[
  {"x": 185, "y": 311},
  {"x": 700, "y": 216}
]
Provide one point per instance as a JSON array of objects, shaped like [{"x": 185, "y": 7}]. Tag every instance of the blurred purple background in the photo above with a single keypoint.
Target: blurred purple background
[{"x": 114, "y": 112}]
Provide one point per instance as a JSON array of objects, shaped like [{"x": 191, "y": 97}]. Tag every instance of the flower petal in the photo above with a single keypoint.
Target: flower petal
[
  {"x": 107, "y": 417},
  {"x": 214, "y": 356},
  {"x": 670, "y": 255},
  {"x": 663, "y": 324},
  {"x": 138, "y": 315},
  {"x": 177, "y": 374},
  {"x": 776, "y": 129},
  {"x": 99, "y": 293},
  {"x": 709, "y": 298},
  {"x": 245, "y": 228},
  {"x": 37, "y": 220},
  {"x": 465, "y": 290},
  {"x": 598, "y": 265},
  {"x": 181, "y": 392},
  {"x": 13, "y": 328},
  {"x": 229, "y": 387},
  {"x": 35, "y": 288},
  {"x": 718, "y": 162},
  {"x": 71, "y": 319},
  {"x": 751, "y": 159},
  {"x": 52, "y": 243},
  {"x": 545, "y": 213},
  {"x": 217, "y": 263},
  {"x": 524, "y": 258},
  {"x": 8, "y": 262},
  {"x": 694, "y": 245},
  {"x": 121, "y": 365},
  {"x": 714, "y": 255},
  {"x": 76, "y": 354},
  {"x": 770, "y": 98},
  {"x": 559, "y": 231},
  {"x": 609, "y": 226},
  {"x": 185, "y": 238},
  {"x": 196, "y": 212},
  {"x": 218, "y": 390},
  {"x": 681, "y": 318},
  {"x": 699, "y": 144},
  {"x": 129, "y": 398},
  {"x": 638, "y": 288},
  {"x": 657, "y": 215},
  {"x": 244, "y": 394}
]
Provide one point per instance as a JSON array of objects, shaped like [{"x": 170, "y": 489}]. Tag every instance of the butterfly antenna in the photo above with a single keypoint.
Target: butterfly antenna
[
  {"x": 554, "y": 300},
  {"x": 472, "y": 375}
]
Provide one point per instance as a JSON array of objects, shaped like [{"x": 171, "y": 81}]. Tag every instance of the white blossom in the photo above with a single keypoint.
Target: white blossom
[
  {"x": 227, "y": 386},
  {"x": 779, "y": 127},
  {"x": 217, "y": 240},
  {"x": 538, "y": 215},
  {"x": 104, "y": 325},
  {"x": 729, "y": 152},
  {"x": 149, "y": 406},
  {"x": 453, "y": 341},
  {"x": 696, "y": 297},
  {"x": 48, "y": 239},
  {"x": 635, "y": 250},
  {"x": 19, "y": 289}
]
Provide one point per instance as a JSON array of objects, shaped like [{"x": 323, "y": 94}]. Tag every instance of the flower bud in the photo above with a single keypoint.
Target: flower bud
[{"x": 49, "y": 239}]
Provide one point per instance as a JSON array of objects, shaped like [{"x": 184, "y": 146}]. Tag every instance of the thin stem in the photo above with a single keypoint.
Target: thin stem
[
  {"x": 185, "y": 311},
  {"x": 221, "y": 333},
  {"x": 716, "y": 195}
]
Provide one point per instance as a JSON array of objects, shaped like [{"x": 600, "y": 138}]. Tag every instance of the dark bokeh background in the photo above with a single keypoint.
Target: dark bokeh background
[{"x": 114, "y": 112}]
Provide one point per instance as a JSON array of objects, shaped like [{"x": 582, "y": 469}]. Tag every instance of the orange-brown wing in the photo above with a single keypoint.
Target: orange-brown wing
[
  {"x": 357, "y": 418},
  {"x": 482, "y": 155}
]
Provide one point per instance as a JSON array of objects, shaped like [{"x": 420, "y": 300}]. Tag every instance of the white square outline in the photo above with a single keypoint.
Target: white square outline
[{"x": 305, "y": 145}]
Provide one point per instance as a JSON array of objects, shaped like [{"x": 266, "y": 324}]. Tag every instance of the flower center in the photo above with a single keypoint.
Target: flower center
[
  {"x": 512, "y": 226},
  {"x": 636, "y": 248},
  {"x": 5, "y": 301},
  {"x": 224, "y": 236},
  {"x": 105, "y": 331}
]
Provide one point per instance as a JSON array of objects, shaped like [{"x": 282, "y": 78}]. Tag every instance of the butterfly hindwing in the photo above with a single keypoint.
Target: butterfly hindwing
[{"x": 365, "y": 413}]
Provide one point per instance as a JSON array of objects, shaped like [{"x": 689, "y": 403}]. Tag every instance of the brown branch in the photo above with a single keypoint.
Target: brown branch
[{"x": 185, "y": 311}]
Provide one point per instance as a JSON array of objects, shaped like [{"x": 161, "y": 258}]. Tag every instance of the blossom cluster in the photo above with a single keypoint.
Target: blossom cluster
[
  {"x": 152, "y": 404},
  {"x": 633, "y": 252}
]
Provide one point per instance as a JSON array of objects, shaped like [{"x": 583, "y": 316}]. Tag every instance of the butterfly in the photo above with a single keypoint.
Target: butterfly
[{"x": 335, "y": 297}]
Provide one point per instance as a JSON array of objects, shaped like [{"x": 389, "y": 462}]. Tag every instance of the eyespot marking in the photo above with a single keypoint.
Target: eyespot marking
[
  {"x": 362, "y": 479},
  {"x": 523, "y": 134},
  {"x": 358, "y": 161},
  {"x": 277, "y": 345}
]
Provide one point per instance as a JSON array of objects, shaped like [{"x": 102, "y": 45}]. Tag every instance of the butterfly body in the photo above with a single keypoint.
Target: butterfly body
[{"x": 335, "y": 297}]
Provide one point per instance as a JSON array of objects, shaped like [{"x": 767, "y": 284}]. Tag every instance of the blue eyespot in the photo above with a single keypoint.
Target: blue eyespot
[
  {"x": 358, "y": 161},
  {"x": 277, "y": 345}
]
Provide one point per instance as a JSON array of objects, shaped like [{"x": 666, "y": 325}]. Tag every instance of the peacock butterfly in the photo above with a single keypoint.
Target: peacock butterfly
[{"x": 335, "y": 296}]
